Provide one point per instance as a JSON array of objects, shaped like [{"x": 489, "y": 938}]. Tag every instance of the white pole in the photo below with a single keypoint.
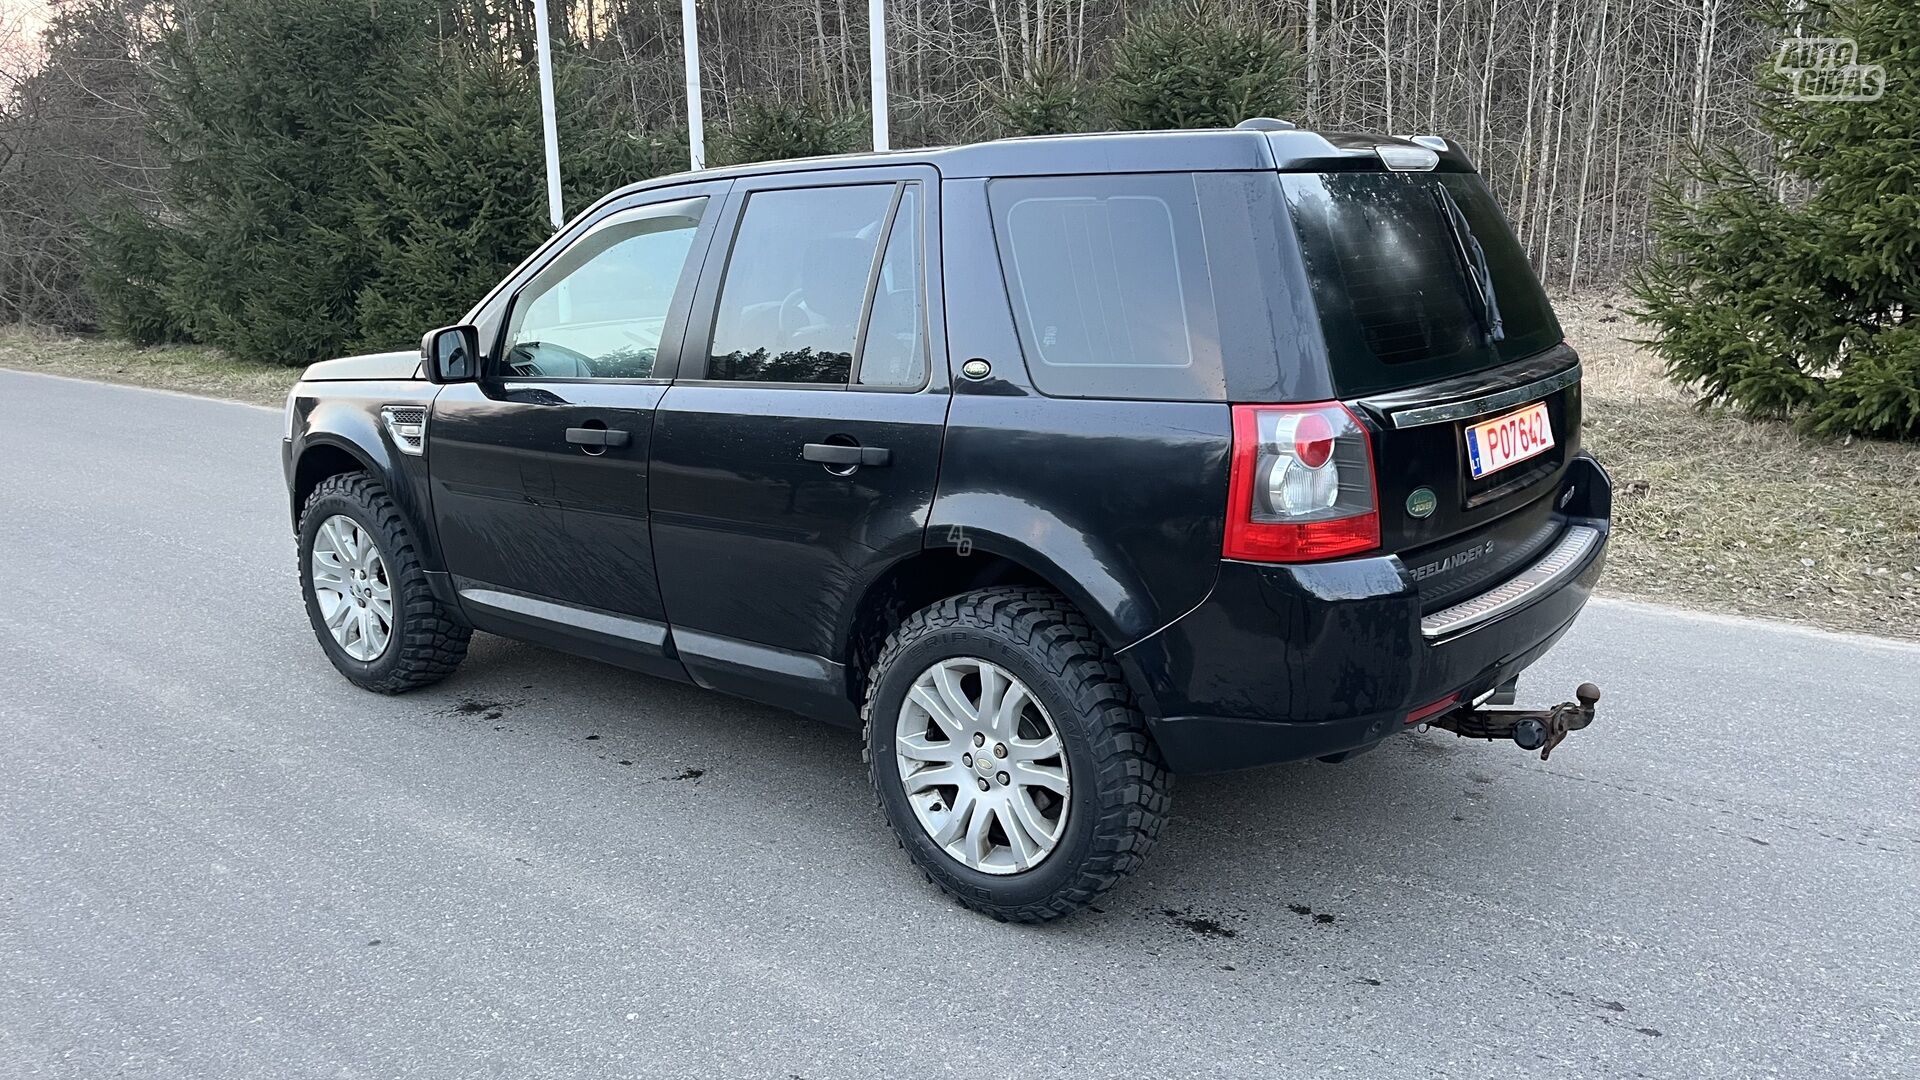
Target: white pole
[
  {"x": 542, "y": 42},
  {"x": 690, "y": 41},
  {"x": 877, "y": 60}
]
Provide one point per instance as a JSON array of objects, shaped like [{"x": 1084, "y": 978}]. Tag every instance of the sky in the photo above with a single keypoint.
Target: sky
[
  {"x": 30, "y": 13},
  {"x": 20, "y": 24}
]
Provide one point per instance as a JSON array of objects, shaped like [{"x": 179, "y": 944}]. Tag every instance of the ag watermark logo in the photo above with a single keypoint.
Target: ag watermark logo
[{"x": 1829, "y": 69}]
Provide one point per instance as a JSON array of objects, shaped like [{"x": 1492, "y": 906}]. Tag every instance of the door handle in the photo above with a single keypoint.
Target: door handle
[
  {"x": 593, "y": 436},
  {"x": 836, "y": 454}
]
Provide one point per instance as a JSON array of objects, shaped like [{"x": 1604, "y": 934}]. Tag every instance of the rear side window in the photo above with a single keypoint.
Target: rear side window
[
  {"x": 796, "y": 286},
  {"x": 1159, "y": 286},
  {"x": 1109, "y": 282},
  {"x": 1397, "y": 303}
]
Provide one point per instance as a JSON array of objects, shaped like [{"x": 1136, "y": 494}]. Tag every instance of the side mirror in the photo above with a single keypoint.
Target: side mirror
[{"x": 451, "y": 354}]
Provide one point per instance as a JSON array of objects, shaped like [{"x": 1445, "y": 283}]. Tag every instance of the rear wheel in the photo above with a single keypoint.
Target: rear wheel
[
  {"x": 367, "y": 597},
  {"x": 1008, "y": 755}
]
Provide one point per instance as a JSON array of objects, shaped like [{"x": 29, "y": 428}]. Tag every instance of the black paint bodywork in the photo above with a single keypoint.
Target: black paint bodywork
[
  {"x": 705, "y": 549},
  {"x": 1286, "y": 662}
]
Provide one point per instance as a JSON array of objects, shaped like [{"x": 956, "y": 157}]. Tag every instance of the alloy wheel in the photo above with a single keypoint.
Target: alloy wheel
[
  {"x": 351, "y": 585},
  {"x": 982, "y": 765}
]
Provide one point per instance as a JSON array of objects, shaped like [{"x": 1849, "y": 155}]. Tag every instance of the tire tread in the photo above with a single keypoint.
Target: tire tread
[
  {"x": 433, "y": 639},
  {"x": 1132, "y": 783}
]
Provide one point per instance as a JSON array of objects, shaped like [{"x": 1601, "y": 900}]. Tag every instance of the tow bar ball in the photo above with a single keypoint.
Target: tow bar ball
[{"x": 1530, "y": 729}]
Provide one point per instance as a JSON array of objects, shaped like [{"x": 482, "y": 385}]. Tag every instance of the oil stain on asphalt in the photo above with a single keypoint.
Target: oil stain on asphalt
[
  {"x": 1318, "y": 916},
  {"x": 1200, "y": 925},
  {"x": 1610, "y": 1014}
]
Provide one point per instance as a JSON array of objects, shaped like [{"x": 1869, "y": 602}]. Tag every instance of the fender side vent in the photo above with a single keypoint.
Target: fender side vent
[{"x": 407, "y": 426}]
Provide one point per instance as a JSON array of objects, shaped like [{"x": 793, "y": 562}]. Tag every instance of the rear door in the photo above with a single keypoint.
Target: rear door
[
  {"x": 539, "y": 469},
  {"x": 796, "y": 454},
  {"x": 1436, "y": 325}
]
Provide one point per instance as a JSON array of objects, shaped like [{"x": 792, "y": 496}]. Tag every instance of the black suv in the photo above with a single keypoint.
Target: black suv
[{"x": 1060, "y": 465}]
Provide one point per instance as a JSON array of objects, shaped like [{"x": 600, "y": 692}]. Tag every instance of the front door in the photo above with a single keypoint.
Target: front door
[
  {"x": 796, "y": 454},
  {"x": 539, "y": 470}
]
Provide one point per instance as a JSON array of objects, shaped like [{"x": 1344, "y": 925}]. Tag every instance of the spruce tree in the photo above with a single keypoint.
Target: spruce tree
[
  {"x": 602, "y": 149},
  {"x": 126, "y": 271},
  {"x": 457, "y": 197},
  {"x": 1050, "y": 101},
  {"x": 1198, "y": 64},
  {"x": 73, "y": 153},
  {"x": 774, "y": 129},
  {"x": 264, "y": 115},
  {"x": 459, "y": 193},
  {"x": 1798, "y": 295}
]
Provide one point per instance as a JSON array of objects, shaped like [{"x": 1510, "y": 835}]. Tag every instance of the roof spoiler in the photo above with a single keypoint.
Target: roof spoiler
[{"x": 1295, "y": 150}]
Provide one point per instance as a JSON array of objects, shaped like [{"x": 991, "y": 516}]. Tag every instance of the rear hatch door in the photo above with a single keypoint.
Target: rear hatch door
[
  {"x": 1438, "y": 332},
  {"x": 1460, "y": 534}
]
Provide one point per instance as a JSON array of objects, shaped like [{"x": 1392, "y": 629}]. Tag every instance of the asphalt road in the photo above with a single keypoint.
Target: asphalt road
[{"x": 218, "y": 859}]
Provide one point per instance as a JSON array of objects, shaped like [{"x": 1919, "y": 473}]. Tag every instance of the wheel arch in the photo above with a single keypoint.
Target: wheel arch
[
  {"x": 932, "y": 574},
  {"x": 342, "y": 434},
  {"x": 322, "y": 457}
]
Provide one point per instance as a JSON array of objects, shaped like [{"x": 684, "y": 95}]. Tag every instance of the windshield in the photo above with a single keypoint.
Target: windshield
[{"x": 1416, "y": 276}]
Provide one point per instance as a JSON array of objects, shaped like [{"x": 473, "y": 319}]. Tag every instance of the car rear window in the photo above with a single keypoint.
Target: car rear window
[
  {"x": 1397, "y": 305},
  {"x": 1189, "y": 286},
  {"x": 1148, "y": 285}
]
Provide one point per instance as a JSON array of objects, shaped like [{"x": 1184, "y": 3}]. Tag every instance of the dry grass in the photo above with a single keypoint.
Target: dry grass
[
  {"x": 1718, "y": 512},
  {"x": 1711, "y": 511},
  {"x": 192, "y": 369}
]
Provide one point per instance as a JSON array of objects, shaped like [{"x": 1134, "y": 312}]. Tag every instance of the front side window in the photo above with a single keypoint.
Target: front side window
[
  {"x": 600, "y": 309},
  {"x": 796, "y": 284}
]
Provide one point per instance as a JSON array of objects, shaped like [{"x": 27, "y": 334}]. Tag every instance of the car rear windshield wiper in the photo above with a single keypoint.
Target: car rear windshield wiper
[{"x": 1473, "y": 265}]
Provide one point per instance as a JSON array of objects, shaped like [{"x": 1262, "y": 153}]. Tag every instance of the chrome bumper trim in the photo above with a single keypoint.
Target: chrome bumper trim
[{"x": 1560, "y": 563}]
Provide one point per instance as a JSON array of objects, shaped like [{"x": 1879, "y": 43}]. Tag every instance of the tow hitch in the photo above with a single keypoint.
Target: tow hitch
[{"x": 1530, "y": 729}]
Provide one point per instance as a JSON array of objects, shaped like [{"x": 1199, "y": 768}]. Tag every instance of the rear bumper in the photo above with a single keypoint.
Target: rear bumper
[{"x": 1282, "y": 663}]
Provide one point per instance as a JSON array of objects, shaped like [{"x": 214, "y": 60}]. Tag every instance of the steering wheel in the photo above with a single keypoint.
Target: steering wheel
[
  {"x": 536, "y": 359},
  {"x": 795, "y": 318}
]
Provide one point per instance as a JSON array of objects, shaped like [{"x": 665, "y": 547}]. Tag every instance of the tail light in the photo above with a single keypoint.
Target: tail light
[{"x": 1301, "y": 484}]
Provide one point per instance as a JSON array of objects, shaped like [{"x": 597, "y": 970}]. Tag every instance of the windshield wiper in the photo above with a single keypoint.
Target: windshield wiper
[{"x": 1472, "y": 260}]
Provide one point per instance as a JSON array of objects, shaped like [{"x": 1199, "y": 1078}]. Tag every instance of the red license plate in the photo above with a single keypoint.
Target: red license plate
[{"x": 1494, "y": 444}]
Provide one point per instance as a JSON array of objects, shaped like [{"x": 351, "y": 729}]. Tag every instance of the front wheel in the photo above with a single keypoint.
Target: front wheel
[
  {"x": 1008, "y": 755},
  {"x": 367, "y": 597}
]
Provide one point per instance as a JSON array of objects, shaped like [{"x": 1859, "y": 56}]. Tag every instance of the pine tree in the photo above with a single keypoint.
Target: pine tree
[
  {"x": 1050, "y": 101},
  {"x": 1198, "y": 64},
  {"x": 126, "y": 268},
  {"x": 1806, "y": 306},
  {"x": 264, "y": 115},
  {"x": 775, "y": 130},
  {"x": 458, "y": 197}
]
